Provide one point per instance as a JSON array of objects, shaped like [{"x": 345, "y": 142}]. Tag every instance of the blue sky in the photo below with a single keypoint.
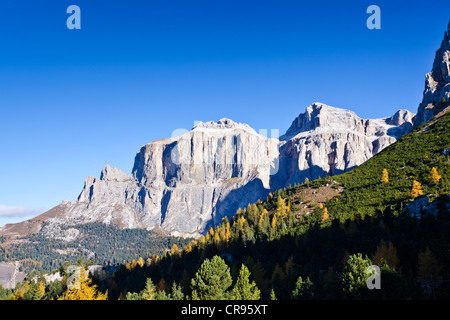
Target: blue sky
[{"x": 72, "y": 101}]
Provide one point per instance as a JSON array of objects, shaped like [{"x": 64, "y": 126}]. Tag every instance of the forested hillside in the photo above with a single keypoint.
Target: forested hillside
[{"x": 106, "y": 244}]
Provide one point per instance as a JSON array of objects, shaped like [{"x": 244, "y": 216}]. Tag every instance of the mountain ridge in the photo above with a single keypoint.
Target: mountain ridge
[{"x": 226, "y": 165}]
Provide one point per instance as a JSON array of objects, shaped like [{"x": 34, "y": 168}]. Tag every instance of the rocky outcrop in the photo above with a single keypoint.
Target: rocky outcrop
[
  {"x": 436, "y": 96},
  {"x": 327, "y": 141},
  {"x": 422, "y": 206}
]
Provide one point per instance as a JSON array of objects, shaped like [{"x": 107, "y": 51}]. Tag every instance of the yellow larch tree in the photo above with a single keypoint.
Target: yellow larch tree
[
  {"x": 325, "y": 214},
  {"x": 385, "y": 176},
  {"x": 416, "y": 189},
  {"x": 274, "y": 221},
  {"x": 434, "y": 176},
  {"x": 84, "y": 291},
  {"x": 174, "y": 250},
  {"x": 41, "y": 290}
]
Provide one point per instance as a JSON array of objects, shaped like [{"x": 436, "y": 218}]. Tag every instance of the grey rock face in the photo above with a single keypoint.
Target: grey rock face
[
  {"x": 186, "y": 181},
  {"x": 436, "y": 95},
  {"x": 423, "y": 206},
  {"x": 185, "y": 184},
  {"x": 327, "y": 141}
]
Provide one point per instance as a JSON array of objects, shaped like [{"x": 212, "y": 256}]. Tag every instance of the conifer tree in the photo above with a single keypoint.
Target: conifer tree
[
  {"x": 387, "y": 253},
  {"x": 149, "y": 291},
  {"x": 354, "y": 277},
  {"x": 244, "y": 289},
  {"x": 177, "y": 293},
  {"x": 174, "y": 250},
  {"x": 385, "y": 176},
  {"x": 325, "y": 214},
  {"x": 416, "y": 189},
  {"x": 303, "y": 289},
  {"x": 41, "y": 290},
  {"x": 434, "y": 176},
  {"x": 211, "y": 280},
  {"x": 141, "y": 262},
  {"x": 272, "y": 295}
]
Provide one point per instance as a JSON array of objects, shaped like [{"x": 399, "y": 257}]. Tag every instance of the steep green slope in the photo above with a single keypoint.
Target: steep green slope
[{"x": 411, "y": 158}]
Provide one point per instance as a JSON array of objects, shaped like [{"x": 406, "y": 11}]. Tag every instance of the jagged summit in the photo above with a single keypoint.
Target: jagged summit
[
  {"x": 223, "y": 123},
  {"x": 320, "y": 115},
  {"x": 324, "y": 118},
  {"x": 436, "y": 95}
]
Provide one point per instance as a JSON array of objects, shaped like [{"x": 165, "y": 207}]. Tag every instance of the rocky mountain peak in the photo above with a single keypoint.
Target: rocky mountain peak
[
  {"x": 223, "y": 123},
  {"x": 110, "y": 173},
  {"x": 400, "y": 117},
  {"x": 436, "y": 96}
]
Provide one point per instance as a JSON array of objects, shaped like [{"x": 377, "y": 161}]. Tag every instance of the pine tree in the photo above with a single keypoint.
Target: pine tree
[
  {"x": 177, "y": 293},
  {"x": 416, "y": 189},
  {"x": 434, "y": 176},
  {"x": 149, "y": 291},
  {"x": 243, "y": 289},
  {"x": 304, "y": 289},
  {"x": 385, "y": 176},
  {"x": 211, "y": 280},
  {"x": 272, "y": 295},
  {"x": 354, "y": 277}
]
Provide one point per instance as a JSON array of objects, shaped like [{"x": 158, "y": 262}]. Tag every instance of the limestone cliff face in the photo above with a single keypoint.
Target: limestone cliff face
[
  {"x": 181, "y": 184},
  {"x": 191, "y": 181},
  {"x": 327, "y": 141},
  {"x": 436, "y": 96},
  {"x": 185, "y": 184}
]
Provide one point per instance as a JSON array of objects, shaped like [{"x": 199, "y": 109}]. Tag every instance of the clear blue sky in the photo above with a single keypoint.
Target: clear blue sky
[{"x": 72, "y": 101}]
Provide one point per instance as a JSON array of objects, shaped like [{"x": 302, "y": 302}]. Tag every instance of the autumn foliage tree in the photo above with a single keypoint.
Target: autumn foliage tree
[
  {"x": 85, "y": 290},
  {"x": 385, "y": 176},
  {"x": 416, "y": 189},
  {"x": 388, "y": 253},
  {"x": 325, "y": 214},
  {"x": 434, "y": 176}
]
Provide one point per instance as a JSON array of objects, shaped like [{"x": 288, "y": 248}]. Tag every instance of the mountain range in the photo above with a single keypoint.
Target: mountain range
[{"x": 183, "y": 185}]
